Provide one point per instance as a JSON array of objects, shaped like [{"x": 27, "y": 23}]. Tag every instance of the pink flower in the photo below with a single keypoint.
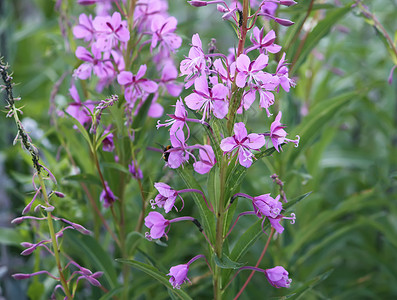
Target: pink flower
[
  {"x": 267, "y": 82},
  {"x": 157, "y": 225},
  {"x": 107, "y": 196},
  {"x": 243, "y": 143},
  {"x": 110, "y": 30},
  {"x": 178, "y": 154},
  {"x": 163, "y": 33},
  {"x": 195, "y": 64},
  {"x": 207, "y": 160},
  {"x": 278, "y": 277},
  {"x": 169, "y": 75},
  {"x": 107, "y": 143},
  {"x": 135, "y": 171},
  {"x": 265, "y": 205},
  {"x": 136, "y": 86},
  {"x": 93, "y": 62},
  {"x": 249, "y": 70},
  {"x": 78, "y": 110},
  {"x": 84, "y": 30},
  {"x": 269, "y": 8},
  {"x": 264, "y": 43},
  {"x": 178, "y": 275},
  {"x": 166, "y": 197},
  {"x": 178, "y": 119},
  {"x": 278, "y": 134},
  {"x": 282, "y": 73},
  {"x": 208, "y": 99}
]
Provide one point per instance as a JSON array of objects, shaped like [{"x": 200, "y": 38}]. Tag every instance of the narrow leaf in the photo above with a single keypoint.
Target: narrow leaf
[{"x": 156, "y": 274}]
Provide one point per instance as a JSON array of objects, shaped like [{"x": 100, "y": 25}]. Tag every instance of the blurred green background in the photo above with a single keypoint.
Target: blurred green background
[{"x": 344, "y": 243}]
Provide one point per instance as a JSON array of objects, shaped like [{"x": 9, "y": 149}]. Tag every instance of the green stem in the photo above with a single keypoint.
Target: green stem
[
  {"x": 54, "y": 241},
  {"x": 220, "y": 214},
  {"x": 235, "y": 100}
]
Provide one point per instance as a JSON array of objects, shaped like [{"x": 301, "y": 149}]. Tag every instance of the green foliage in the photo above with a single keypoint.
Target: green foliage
[{"x": 343, "y": 244}]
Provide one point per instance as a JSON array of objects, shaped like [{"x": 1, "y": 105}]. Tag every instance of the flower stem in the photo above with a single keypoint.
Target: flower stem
[
  {"x": 54, "y": 241},
  {"x": 256, "y": 266}
]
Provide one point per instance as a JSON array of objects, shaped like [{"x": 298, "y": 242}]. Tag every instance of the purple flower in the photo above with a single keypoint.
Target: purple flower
[
  {"x": 168, "y": 79},
  {"x": 78, "y": 110},
  {"x": 157, "y": 225},
  {"x": 195, "y": 64},
  {"x": 147, "y": 10},
  {"x": 179, "y": 152},
  {"x": 166, "y": 197},
  {"x": 269, "y": 8},
  {"x": 110, "y": 30},
  {"x": 278, "y": 277},
  {"x": 282, "y": 73},
  {"x": 178, "y": 119},
  {"x": 107, "y": 196},
  {"x": 207, "y": 160},
  {"x": 249, "y": 70},
  {"x": 107, "y": 143},
  {"x": 178, "y": 275},
  {"x": 163, "y": 33},
  {"x": 265, "y": 205},
  {"x": 84, "y": 30},
  {"x": 243, "y": 143},
  {"x": 266, "y": 83},
  {"x": 135, "y": 171},
  {"x": 208, "y": 99},
  {"x": 136, "y": 86},
  {"x": 264, "y": 43},
  {"x": 278, "y": 134},
  {"x": 102, "y": 68}
]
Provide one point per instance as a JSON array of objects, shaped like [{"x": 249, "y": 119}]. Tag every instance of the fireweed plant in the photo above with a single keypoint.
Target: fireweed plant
[
  {"x": 222, "y": 88},
  {"x": 44, "y": 184},
  {"x": 126, "y": 48}
]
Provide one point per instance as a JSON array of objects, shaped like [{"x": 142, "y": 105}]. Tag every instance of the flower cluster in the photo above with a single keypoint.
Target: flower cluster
[{"x": 221, "y": 88}]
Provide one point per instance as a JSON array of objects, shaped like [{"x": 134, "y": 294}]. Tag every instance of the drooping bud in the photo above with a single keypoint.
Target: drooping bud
[
  {"x": 198, "y": 3},
  {"x": 287, "y": 2},
  {"x": 284, "y": 22}
]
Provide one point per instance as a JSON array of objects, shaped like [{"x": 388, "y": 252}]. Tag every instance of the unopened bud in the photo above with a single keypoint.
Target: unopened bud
[
  {"x": 198, "y": 3},
  {"x": 59, "y": 194},
  {"x": 284, "y": 22},
  {"x": 21, "y": 276},
  {"x": 287, "y": 2}
]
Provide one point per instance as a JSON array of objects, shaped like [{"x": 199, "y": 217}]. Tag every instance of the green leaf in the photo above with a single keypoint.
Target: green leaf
[
  {"x": 315, "y": 121},
  {"x": 115, "y": 166},
  {"x": 226, "y": 263},
  {"x": 312, "y": 230},
  {"x": 88, "y": 178},
  {"x": 93, "y": 251},
  {"x": 133, "y": 240},
  {"x": 10, "y": 236},
  {"x": 236, "y": 173},
  {"x": 36, "y": 290},
  {"x": 291, "y": 203},
  {"x": 245, "y": 241},
  {"x": 83, "y": 131},
  {"x": 140, "y": 118},
  {"x": 320, "y": 31},
  {"x": 112, "y": 293},
  {"x": 156, "y": 274},
  {"x": 307, "y": 286},
  {"x": 207, "y": 217}
]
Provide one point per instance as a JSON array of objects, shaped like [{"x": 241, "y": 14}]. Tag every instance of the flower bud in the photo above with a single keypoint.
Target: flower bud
[
  {"x": 287, "y": 2},
  {"x": 197, "y": 3},
  {"x": 21, "y": 276},
  {"x": 284, "y": 22}
]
